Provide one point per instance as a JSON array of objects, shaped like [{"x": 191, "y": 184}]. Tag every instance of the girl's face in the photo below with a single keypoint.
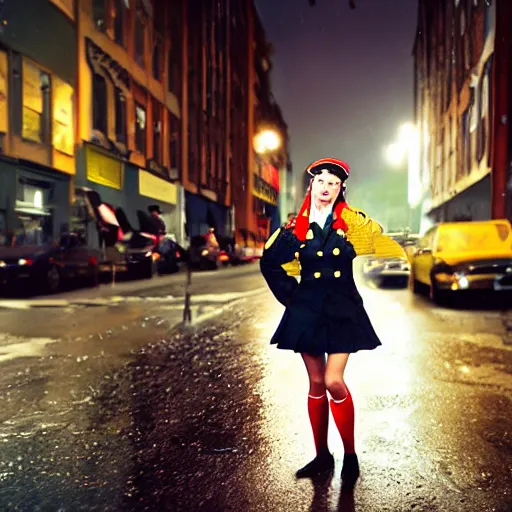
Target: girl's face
[{"x": 326, "y": 188}]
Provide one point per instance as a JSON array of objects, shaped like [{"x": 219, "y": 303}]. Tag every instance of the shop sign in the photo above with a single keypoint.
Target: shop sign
[
  {"x": 4, "y": 117},
  {"x": 264, "y": 191},
  {"x": 99, "y": 60},
  {"x": 271, "y": 175},
  {"x": 63, "y": 130},
  {"x": 103, "y": 169},
  {"x": 157, "y": 188}
]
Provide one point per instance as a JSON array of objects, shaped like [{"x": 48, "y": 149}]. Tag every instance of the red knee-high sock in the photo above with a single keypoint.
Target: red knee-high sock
[
  {"x": 318, "y": 409},
  {"x": 343, "y": 414}
]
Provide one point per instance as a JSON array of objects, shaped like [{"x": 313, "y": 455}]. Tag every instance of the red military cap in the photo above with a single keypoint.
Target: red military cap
[{"x": 333, "y": 165}]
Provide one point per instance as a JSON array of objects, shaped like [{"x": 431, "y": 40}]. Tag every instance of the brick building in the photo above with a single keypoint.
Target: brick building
[{"x": 462, "y": 104}]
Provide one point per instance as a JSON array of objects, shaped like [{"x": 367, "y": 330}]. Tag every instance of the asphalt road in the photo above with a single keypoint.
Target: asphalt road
[{"x": 106, "y": 406}]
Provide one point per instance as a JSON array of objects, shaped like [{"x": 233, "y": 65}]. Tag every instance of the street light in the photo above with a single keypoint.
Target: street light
[
  {"x": 266, "y": 141},
  {"x": 395, "y": 154}
]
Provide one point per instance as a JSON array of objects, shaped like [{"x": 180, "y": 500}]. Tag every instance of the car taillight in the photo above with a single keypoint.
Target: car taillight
[
  {"x": 93, "y": 261},
  {"x": 178, "y": 255},
  {"x": 25, "y": 262}
]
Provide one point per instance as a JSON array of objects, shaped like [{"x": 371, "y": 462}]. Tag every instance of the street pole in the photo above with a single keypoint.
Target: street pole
[{"x": 187, "y": 312}]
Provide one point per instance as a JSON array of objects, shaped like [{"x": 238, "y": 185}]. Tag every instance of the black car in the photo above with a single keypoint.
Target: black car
[{"x": 46, "y": 266}]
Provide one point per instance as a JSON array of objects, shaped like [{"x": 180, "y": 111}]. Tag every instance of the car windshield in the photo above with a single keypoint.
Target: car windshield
[{"x": 474, "y": 237}]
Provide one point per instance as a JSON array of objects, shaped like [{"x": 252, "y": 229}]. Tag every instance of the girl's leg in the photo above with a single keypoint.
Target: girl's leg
[
  {"x": 318, "y": 405},
  {"x": 318, "y": 409},
  {"x": 342, "y": 409}
]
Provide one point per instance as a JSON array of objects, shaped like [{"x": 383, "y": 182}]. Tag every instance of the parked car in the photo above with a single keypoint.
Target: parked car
[
  {"x": 389, "y": 270},
  {"x": 457, "y": 257},
  {"x": 107, "y": 229},
  {"x": 46, "y": 266}
]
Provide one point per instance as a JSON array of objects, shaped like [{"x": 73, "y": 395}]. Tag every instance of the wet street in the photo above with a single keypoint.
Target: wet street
[{"x": 108, "y": 405}]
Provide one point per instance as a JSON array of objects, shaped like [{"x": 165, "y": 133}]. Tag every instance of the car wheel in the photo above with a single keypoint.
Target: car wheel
[
  {"x": 93, "y": 276},
  {"x": 148, "y": 269},
  {"x": 437, "y": 296},
  {"x": 52, "y": 279}
]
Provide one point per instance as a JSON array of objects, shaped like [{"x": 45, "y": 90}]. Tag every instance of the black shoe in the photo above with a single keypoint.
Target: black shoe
[
  {"x": 320, "y": 464},
  {"x": 350, "y": 470}
]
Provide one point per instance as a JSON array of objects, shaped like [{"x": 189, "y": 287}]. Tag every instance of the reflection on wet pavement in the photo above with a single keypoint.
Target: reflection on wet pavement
[{"x": 137, "y": 417}]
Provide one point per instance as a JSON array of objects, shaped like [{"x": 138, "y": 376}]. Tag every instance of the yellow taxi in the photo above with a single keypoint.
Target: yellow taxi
[{"x": 459, "y": 256}]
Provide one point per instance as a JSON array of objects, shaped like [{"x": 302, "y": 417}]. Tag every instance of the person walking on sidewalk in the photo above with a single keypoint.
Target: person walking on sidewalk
[{"x": 325, "y": 319}]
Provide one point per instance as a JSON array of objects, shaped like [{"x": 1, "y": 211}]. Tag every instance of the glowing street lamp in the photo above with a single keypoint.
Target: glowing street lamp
[
  {"x": 395, "y": 154},
  {"x": 267, "y": 141}
]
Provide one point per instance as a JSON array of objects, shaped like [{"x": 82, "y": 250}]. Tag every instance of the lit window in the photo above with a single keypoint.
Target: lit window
[{"x": 140, "y": 128}]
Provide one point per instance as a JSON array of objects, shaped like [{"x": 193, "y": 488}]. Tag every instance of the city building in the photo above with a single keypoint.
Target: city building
[
  {"x": 130, "y": 56},
  {"x": 267, "y": 156},
  {"x": 462, "y": 58},
  {"x": 229, "y": 185},
  {"x": 38, "y": 82},
  {"x": 206, "y": 107}
]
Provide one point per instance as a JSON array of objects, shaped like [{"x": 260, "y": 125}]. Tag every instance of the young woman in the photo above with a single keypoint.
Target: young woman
[{"x": 325, "y": 320}]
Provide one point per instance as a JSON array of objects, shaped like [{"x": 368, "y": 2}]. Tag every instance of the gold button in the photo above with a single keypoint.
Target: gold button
[
  {"x": 337, "y": 273},
  {"x": 320, "y": 253},
  {"x": 336, "y": 251},
  {"x": 297, "y": 255},
  {"x": 317, "y": 275},
  {"x": 302, "y": 246},
  {"x": 309, "y": 235},
  {"x": 341, "y": 232}
]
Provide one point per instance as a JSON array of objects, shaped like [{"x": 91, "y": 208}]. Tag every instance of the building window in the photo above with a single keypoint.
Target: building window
[
  {"x": 140, "y": 37},
  {"x": 99, "y": 14},
  {"x": 99, "y": 103},
  {"x": 157, "y": 57},
  {"x": 466, "y": 142},
  {"x": 174, "y": 141},
  {"x": 36, "y": 104},
  {"x": 175, "y": 51},
  {"x": 157, "y": 132},
  {"x": 140, "y": 128},
  {"x": 121, "y": 118},
  {"x": 119, "y": 22}
]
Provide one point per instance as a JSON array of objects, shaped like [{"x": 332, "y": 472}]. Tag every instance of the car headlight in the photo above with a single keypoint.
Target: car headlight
[
  {"x": 204, "y": 252},
  {"x": 3, "y": 264}
]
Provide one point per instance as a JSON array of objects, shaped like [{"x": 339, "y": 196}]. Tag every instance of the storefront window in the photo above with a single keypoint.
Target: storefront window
[{"x": 33, "y": 230}]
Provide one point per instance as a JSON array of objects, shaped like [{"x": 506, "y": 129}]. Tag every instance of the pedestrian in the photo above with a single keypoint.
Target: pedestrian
[
  {"x": 156, "y": 215},
  {"x": 325, "y": 320}
]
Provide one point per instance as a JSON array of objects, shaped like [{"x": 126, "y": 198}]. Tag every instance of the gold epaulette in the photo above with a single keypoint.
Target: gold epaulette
[
  {"x": 273, "y": 238},
  {"x": 361, "y": 230}
]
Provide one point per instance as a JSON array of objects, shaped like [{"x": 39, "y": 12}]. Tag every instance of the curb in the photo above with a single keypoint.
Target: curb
[{"x": 208, "y": 299}]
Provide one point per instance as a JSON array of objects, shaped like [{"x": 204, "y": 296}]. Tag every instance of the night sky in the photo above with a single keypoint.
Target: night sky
[{"x": 343, "y": 78}]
